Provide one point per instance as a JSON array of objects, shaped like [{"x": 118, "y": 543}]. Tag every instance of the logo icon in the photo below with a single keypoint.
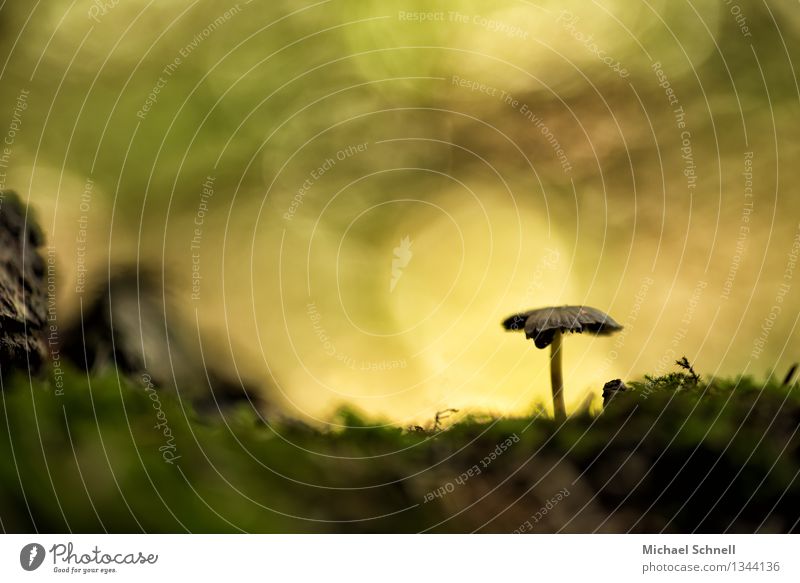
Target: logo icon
[
  {"x": 31, "y": 556},
  {"x": 401, "y": 259}
]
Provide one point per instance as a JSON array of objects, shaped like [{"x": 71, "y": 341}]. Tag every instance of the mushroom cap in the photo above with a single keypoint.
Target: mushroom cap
[{"x": 542, "y": 324}]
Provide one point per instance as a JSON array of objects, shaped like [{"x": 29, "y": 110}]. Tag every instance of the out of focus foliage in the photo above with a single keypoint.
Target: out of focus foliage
[{"x": 462, "y": 113}]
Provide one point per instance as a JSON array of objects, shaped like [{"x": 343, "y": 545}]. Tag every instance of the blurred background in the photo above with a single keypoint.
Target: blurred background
[{"x": 346, "y": 198}]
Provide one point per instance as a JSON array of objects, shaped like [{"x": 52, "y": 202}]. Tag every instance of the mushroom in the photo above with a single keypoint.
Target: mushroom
[{"x": 547, "y": 325}]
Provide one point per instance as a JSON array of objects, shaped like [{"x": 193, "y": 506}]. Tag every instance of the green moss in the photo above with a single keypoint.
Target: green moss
[{"x": 93, "y": 459}]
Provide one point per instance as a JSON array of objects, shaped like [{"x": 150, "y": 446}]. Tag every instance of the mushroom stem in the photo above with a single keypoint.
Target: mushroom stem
[{"x": 556, "y": 379}]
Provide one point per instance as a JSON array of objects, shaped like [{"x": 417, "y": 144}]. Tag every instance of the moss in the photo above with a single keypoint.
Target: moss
[{"x": 94, "y": 459}]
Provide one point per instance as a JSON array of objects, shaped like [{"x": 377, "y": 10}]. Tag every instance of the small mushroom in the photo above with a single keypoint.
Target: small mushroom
[{"x": 547, "y": 325}]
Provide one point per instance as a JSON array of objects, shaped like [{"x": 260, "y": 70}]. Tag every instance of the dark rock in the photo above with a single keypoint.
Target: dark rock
[
  {"x": 131, "y": 324},
  {"x": 23, "y": 289},
  {"x": 611, "y": 388}
]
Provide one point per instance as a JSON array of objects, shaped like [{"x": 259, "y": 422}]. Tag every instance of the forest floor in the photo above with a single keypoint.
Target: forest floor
[{"x": 673, "y": 454}]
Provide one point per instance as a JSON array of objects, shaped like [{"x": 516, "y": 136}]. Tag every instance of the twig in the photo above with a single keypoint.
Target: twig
[
  {"x": 443, "y": 414},
  {"x": 686, "y": 365},
  {"x": 790, "y": 375}
]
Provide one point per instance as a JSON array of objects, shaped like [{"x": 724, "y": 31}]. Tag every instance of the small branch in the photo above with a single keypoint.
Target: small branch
[
  {"x": 790, "y": 375},
  {"x": 687, "y": 366},
  {"x": 443, "y": 414}
]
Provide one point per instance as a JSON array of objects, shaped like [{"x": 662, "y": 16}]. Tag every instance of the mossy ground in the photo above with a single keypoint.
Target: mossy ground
[{"x": 670, "y": 455}]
